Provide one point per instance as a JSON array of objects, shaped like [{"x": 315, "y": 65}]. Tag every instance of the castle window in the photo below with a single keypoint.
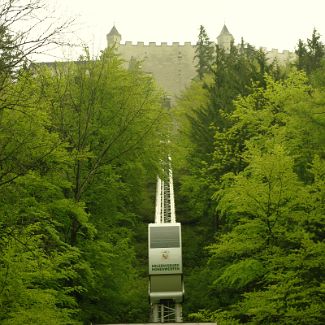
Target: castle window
[{"x": 166, "y": 102}]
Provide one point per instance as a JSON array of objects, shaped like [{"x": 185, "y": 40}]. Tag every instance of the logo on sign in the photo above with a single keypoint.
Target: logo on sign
[{"x": 165, "y": 255}]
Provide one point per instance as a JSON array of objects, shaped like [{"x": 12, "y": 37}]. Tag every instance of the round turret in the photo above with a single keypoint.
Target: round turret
[
  {"x": 113, "y": 37},
  {"x": 225, "y": 39}
]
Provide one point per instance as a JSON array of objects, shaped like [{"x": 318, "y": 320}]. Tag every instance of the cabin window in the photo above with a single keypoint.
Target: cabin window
[{"x": 164, "y": 237}]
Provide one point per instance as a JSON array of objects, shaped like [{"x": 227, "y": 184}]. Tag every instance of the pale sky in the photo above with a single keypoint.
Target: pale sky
[{"x": 263, "y": 23}]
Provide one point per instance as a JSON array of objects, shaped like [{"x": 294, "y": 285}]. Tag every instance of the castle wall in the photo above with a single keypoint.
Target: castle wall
[
  {"x": 172, "y": 66},
  {"x": 283, "y": 57}
]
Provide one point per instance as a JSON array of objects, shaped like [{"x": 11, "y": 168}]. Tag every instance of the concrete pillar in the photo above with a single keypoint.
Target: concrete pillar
[
  {"x": 155, "y": 313},
  {"x": 178, "y": 313}
]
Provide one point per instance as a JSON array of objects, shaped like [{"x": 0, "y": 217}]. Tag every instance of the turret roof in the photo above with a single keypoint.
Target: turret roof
[
  {"x": 224, "y": 30},
  {"x": 114, "y": 31}
]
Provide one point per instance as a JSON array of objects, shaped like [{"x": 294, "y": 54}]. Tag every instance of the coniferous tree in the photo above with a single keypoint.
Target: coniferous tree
[
  {"x": 232, "y": 75},
  {"x": 203, "y": 53},
  {"x": 311, "y": 53}
]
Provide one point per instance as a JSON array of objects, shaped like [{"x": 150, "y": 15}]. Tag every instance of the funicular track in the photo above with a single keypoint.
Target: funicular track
[{"x": 166, "y": 288}]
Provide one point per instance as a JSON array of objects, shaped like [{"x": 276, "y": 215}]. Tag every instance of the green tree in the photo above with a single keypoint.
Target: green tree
[
  {"x": 204, "y": 118},
  {"x": 266, "y": 264},
  {"x": 33, "y": 278},
  {"x": 310, "y": 54},
  {"x": 112, "y": 121},
  {"x": 36, "y": 265},
  {"x": 204, "y": 53},
  {"x": 78, "y": 141},
  {"x": 27, "y": 29},
  {"x": 270, "y": 261},
  {"x": 207, "y": 122},
  {"x": 107, "y": 115},
  {"x": 232, "y": 75}
]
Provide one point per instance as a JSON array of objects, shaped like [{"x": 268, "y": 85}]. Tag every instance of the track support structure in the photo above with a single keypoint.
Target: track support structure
[{"x": 166, "y": 288}]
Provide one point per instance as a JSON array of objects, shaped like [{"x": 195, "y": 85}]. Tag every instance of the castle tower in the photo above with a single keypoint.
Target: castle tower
[
  {"x": 225, "y": 39},
  {"x": 113, "y": 37}
]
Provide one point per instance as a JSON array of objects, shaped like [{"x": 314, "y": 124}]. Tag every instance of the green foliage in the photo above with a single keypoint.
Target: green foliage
[
  {"x": 310, "y": 54},
  {"x": 209, "y": 140},
  {"x": 212, "y": 137},
  {"x": 222, "y": 317},
  {"x": 79, "y": 147},
  {"x": 269, "y": 258},
  {"x": 231, "y": 76},
  {"x": 239, "y": 275},
  {"x": 204, "y": 53},
  {"x": 32, "y": 279},
  {"x": 79, "y": 150}
]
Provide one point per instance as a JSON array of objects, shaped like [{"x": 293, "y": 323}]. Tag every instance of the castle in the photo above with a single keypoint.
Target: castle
[{"x": 173, "y": 66}]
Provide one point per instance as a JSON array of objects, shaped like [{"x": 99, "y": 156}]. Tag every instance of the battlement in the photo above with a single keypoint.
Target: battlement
[
  {"x": 284, "y": 56},
  {"x": 115, "y": 37},
  {"x": 173, "y": 64},
  {"x": 155, "y": 44},
  {"x": 269, "y": 52},
  {"x": 276, "y": 51}
]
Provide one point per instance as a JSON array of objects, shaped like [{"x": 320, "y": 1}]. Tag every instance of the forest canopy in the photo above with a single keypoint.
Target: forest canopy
[
  {"x": 80, "y": 148},
  {"x": 251, "y": 179}
]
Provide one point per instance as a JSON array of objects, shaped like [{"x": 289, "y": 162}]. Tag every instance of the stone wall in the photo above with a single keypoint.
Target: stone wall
[
  {"x": 283, "y": 57},
  {"x": 173, "y": 65}
]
